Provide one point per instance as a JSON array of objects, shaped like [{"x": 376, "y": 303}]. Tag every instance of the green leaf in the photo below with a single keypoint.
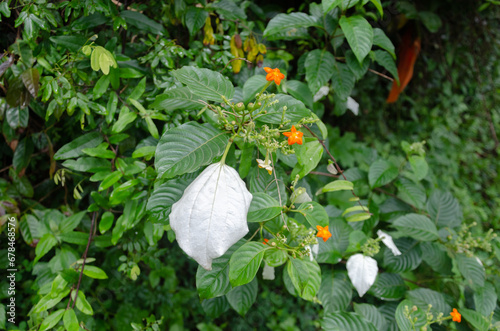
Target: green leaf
[
  {"x": 252, "y": 86},
  {"x": 164, "y": 196},
  {"x": 22, "y": 154},
  {"x": 296, "y": 110},
  {"x": 275, "y": 257},
  {"x": 138, "y": 90},
  {"x": 74, "y": 148},
  {"x": 338, "y": 321},
  {"x": 195, "y": 19},
  {"x": 404, "y": 323},
  {"x": 298, "y": 272},
  {"x": 94, "y": 272},
  {"x": 378, "y": 5},
  {"x": 106, "y": 222},
  {"x": 71, "y": 43},
  {"x": 422, "y": 297},
  {"x": 52, "y": 320},
  {"x": 82, "y": 304},
  {"x": 338, "y": 185},
  {"x": 410, "y": 258},
  {"x": 485, "y": 299},
  {"x": 411, "y": 193},
  {"x": 381, "y": 40},
  {"x": 125, "y": 118},
  {"x": 263, "y": 208},
  {"x": 215, "y": 307},
  {"x": 431, "y": 21},
  {"x": 101, "y": 86},
  {"x": 315, "y": 214},
  {"x": 188, "y": 147},
  {"x": 17, "y": 117},
  {"x": 46, "y": 243},
  {"x": 419, "y": 166},
  {"x": 4, "y": 9},
  {"x": 241, "y": 298},
  {"x": 229, "y": 10},
  {"x": 206, "y": 83},
  {"x": 359, "y": 70},
  {"x": 444, "y": 209},
  {"x": 359, "y": 35},
  {"x": 246, "y": 159},
  {"x": 215, "y": 282},
  {"x": 417, "y": 226},
  {"x": 381, "y": 173},
  {"x": 371, "y": 314},
  {"x": 434, "y": 254},
  {"x": 70, "y": 320},
  {"x": 330, "y": 251},
  {"x": 180, "y": 98},
  {"x": 342, "y": 80},
  {"x": 388, "y": 287},
  {"x": 320, "y": 66},
  {"x": 287, "y": 24},
  {"x": 70, "y": 223},
  {"x": 87, "y": 164},
  {"x": 472, "y": 270},
  {"x": 100, "y": 151},
  {"x": 31, "y": 80},
  {"x": 299, "y": 91},
  {"x": 142, "y": 22},
  {"x": 308, "y": 156},
  {"x": 335, "y": 292},
  {"x": 74, "y": 237},
  {"x": 245, "y": 263},
  {"x": 313, "y": 281},
  {"x": 260, "y": 181},
  {"x": 478, "y": 321},
  {"x": 387, "y": 61},
  {"x": 94, "y": 58}
]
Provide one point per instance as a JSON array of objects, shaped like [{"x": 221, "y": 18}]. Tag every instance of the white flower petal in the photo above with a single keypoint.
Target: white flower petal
[
  {"x": 211, "y": 215},
  {"x": 387, "y": 240}
]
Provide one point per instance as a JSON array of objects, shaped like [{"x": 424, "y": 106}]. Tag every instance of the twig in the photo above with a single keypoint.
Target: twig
[
  {"x": 381, "y": 74},
  {"x": 324, "y": 174},
  {"x": 322, "y": 142},
  {"x": 84, "y": 257}
]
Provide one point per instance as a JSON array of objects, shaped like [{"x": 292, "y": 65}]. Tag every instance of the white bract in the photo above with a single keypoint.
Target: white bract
[
  {"x": 387, "y": 240},
  {"x": 362, "y": 271},
  {"x": 211, "y": 215},
  {"x": 268, "y": 272},
  {"x": 353, "y": 106}
]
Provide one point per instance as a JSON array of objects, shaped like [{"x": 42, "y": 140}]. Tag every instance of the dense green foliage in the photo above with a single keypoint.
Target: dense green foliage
[{"x": 109, "y": 111}]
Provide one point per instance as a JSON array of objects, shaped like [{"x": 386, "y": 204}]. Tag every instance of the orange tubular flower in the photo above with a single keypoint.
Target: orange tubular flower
[
  {"x": 274, "y": 74},
  {"x": 294, "y": 136},
  {"x": 265, "y": 241},
  {"x": 324, "y": 233},
  {"x": 455, "y": 315}
]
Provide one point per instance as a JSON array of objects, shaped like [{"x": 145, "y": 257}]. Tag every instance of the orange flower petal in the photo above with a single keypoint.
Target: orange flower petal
[
  {"x": 294, "y": 136},
  {"x": 456, "y": 316},
  {"x": 267, "y": 69}
]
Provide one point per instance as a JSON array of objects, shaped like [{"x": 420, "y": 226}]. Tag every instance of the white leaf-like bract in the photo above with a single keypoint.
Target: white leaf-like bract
[
  {"x": 268, "y": 272},
  {"x": 353, "y": 106},
  {"x": 362, "y": 271},
  {"x": 387, "y": 240},
  {"x": 211, "y": 215}
]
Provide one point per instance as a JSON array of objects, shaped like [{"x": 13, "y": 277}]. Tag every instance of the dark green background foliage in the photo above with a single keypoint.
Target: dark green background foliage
[{"x": 93, "y": 92}]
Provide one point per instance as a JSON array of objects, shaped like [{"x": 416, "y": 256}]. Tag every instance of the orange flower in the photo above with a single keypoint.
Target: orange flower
[
  {"x": 294, "y": 136},
  {"x": 274, "y": 74},
  {"x": 323, "y": 232},
  {"x": 265, "y": 241},
  {"x": 455, "y": 315}
]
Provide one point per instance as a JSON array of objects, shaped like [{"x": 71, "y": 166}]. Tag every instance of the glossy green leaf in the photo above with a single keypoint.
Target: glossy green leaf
[
  {"x": 382, "y": 173},
  {"x": 485, "y": 299},
  {"x": 359, "y": 35},
  {"x": 206, "y": 83},
  {"x": 338, "y": 321},
  {"x": 389, "y": 287},
  {"x": 164, "y": 196},
  {"x": 387, "y": 61},
  {"x": 300, "y": 91},
  {"x": 338, "y": 185},
  {"x": 275, "y": 257},
  {"x": 82, "y": 304},
  {"x": 74, "y": 148},
  {"x": 372, "y": 315},
  {"x": 381, "y": 40},
  {"x": 54, "y": 318},
  {"x": 298, "y": 272},
  {"x": 188, "y": 147},
  {"x": 70, "y": 223},
  {"x": 478, "y": 321},
  {"x": 289, "y": 23},
  {"x": 87, "y": 164},
  {"x": 404, "y": 323},
  {"x": 342, "y": 80},
  {"x": 472, "y": 270},
  {"x": 70, "y": 320},
  {"x": 358, "y": 69},
  {"x": 320, "y": 66},
  {"x": 410, "y": 258},
  {"x": 245, "y": 263},
  {"x": 435, "y": 255},
  {"x": 315, "y": 214},
  {"x": 263, "y": 208},
  {"x": 180, "y": 98},
  {"x": 94, "y": 272},
  {"x": 106, "y": 222},
  {"x": 101, "y": 86},
  {"x": 31, "y": 80},
  {"x": 46, "y": 243},
  {"x": 215, "y": 282},
  {"x": 417, "y": 226},
  {"x": 419, "y": 166},
  {"x": 195, "y": 19},
  {"x": 411, "y": 193},
  {"x": 296, "y": 110},
  {"x": 431, "y": 20},
  {"x": 142, "y": 22},
  {"x": 252, "y": 86},
  {"x": 241, "y": 298},
  {"x": 422, "y": 297},
  {"x": 313, "y": 283},
  {"x": 444, "y": 209},
  {"x": 335, "y": 292}
]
